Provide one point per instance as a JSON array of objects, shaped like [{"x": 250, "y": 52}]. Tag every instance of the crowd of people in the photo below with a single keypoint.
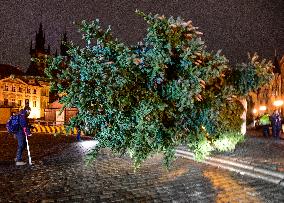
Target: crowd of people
[{"x": 273, "y": 120}]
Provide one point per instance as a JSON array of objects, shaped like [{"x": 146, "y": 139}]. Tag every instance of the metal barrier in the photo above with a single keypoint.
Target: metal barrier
[{"x": 52, "y": 129}]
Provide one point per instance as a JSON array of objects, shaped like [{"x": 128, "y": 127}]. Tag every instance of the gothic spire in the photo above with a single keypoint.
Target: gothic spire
[
  {"x": 277, "y": 68},
  {"x": 63, "y": 45},
  {"x": 40, "y": 38}
]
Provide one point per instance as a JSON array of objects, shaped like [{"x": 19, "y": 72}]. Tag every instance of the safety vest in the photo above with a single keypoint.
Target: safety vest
[{"x": 264, "y": 120}]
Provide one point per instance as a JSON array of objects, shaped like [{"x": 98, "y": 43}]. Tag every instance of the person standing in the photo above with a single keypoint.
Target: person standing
[
  {"x": 264, "y": 121},
  {"x": 276, "y": 124},
  {"x": 78, "y": 137},
  {"x": 21, "y": 134},
  {"x": 79, "y": 127}
]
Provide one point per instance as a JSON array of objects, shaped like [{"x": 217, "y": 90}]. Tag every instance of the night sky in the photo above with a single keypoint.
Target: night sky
[{"x": 235, "y": 26}]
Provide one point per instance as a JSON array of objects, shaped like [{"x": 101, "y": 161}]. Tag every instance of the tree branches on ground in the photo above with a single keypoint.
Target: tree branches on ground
[{"x": 151, "y": 97}]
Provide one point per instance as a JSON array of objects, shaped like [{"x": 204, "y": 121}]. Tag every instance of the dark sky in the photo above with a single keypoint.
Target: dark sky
[{"x": 235, "y": 26}]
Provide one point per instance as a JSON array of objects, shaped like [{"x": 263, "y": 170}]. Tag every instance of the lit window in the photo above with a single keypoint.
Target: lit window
[
  {"x": 19, "y": 102},
  {"x": 27, "y": 102},
  {"x": 13, "y": 102},
  {"x": 34, "y": 104}
]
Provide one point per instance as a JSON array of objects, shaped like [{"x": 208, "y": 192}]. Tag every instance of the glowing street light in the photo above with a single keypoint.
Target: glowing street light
[
  {"x": 278, "y": 103},
  {"x": 262, "y": 108},
  {"x": 254, "y": 111}
]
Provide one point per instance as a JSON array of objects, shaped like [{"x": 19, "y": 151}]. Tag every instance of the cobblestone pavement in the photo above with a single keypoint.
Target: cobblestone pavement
[
  {"x": 61, "y": 176},
  {"x": 41, "y": 145},
  {"x": 259, "y": 151}
]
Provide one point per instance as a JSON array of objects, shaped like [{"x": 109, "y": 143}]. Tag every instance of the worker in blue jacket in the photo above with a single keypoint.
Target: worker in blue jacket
[
  {"x": 22, "y": 133},
  {"x": 276, "y": 124}
]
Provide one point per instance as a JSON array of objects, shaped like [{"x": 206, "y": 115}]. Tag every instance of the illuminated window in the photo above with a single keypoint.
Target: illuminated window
[
  {"x": 13, "y": 102},
  {"x": 27, "y": 102},
  {"x": 19, "y": 102},
  {"x": 34, "y": 104}
]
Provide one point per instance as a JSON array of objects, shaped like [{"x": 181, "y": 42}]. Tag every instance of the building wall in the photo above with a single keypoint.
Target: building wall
[
  {"x": 5, "y": 115},
  {"x": 15, "y": 92},
  {"x": 269, "y": 93},
  {"x": 51, "y": 114}
]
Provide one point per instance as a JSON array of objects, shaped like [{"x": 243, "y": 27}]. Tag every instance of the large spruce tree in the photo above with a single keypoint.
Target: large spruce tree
[{"x": 165, "y": 91}]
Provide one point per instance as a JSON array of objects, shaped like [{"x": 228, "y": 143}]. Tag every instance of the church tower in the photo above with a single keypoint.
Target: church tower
[
  {"x": 63, "y": 45},
  {"x": 38, "y": 54}
]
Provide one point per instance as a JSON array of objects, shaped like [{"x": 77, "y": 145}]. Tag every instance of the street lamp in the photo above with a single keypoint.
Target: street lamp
[
  {"x": 262, "y": 108},
  {"x": 254, "y": 111},
  {"x": 278, "y": 103}
]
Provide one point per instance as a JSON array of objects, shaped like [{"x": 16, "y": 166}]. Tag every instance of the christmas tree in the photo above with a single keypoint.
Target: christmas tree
[{"x": 150, "y": 98}]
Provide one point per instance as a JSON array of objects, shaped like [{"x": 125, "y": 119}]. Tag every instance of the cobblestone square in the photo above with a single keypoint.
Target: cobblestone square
[{"x": 59, "y": 174}]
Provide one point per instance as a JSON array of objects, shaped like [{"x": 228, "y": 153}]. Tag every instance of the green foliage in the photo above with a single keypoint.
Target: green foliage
[
  {"x": 249, "y": 77},
  {"x": 149, "y": 98},
  {"x": 227, "y": 119},
  {"x": 227, "y": 141}
]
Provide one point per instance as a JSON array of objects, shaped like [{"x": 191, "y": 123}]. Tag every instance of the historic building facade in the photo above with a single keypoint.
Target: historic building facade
[
  {"x": 16, "y": 92},
  {"x": 19, "y": 89},
  {"x": 270, "y": 96}
]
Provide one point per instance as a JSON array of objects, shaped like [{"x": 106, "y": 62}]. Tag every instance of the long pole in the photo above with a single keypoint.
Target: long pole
[{"x": 28, "y": 148}]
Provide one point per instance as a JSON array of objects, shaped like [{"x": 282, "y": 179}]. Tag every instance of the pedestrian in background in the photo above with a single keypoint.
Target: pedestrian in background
[
  {"x": 264, "y": 121},
  {"x": 79, "y": 126},
  {"x": 276, "y": 124},
  {"x": 78, "y": 137}
]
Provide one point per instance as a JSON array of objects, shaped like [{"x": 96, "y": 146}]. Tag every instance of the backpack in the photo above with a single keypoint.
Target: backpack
[{"x": 13, "y": 124}]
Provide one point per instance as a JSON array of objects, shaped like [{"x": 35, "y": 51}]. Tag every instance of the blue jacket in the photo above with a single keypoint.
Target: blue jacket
[
  {"x": 23, "y": 120},
  {"x": 276, "y": 120}
]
